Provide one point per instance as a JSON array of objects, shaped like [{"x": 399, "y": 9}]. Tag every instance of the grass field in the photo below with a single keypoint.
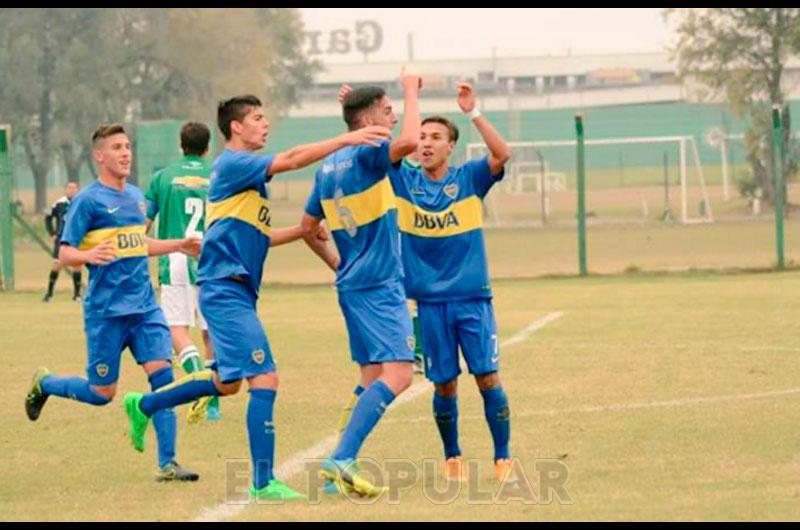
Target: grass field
[
  {"x": 532, "y": 252},
  {"x": 667, "y": 397}
]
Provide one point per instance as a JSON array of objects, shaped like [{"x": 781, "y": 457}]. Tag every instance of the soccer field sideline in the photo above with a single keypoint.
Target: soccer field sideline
[{"x": 294, "y": 464}]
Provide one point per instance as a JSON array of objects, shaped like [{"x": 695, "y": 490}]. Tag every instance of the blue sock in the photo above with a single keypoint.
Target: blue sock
[
  {"x": 164, "y": 420},
  {"x": 75, "y": 388},
  {"x": 445, "y": 411},
  {"x": 358, "y": 390},
  {"x": 185, "y": 390},
  {"x": 368, "y": 411},
  {"x": 498, "y": 416},
  {"x": 261, "y": 431}
]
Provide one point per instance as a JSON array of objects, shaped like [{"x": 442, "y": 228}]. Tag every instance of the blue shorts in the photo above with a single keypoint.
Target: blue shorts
[
  {"x": 378, "y": 325},
  {"x": 468, "y": 324},
  {"x": 145, "y": 334},
  {"x": 240, "y": 344}
]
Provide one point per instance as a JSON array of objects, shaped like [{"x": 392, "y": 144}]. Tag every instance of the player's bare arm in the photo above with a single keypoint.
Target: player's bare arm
[
  {"x": 304, "y": 155},
  {"x": 159, "y": 247},
  {"x": 499, "y": 151},
  {"x": 102, "y": 254},
  {"x": 316, "y": 236},
  {"x": 407, "y": 142}
]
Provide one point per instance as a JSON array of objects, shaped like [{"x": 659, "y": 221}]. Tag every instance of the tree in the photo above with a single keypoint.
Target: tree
[
  {"x": 66, "y": 70},
  {"x": 290, "y": 70},
  {"x": 741, "y": 53},
  {"x": 36, "y": 50}
]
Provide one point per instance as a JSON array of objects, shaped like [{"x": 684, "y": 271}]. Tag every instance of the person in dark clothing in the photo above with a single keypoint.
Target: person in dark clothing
[{"x": 54, "y": 223}]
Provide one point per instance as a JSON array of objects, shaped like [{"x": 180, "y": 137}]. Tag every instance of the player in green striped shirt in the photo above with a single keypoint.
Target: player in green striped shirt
[{"x": 177, "y": 196}]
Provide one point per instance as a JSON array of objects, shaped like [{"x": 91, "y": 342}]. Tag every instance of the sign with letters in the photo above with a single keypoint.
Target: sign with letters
[{"x": 366, "y": 37}]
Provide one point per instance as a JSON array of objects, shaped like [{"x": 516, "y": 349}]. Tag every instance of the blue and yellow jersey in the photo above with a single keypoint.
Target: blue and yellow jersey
[
  {"x": 353, "y": 193},
  {"x": 238, "y": 219},
  {"x": 100, "y": 213},
  {"x": 443, "y": 251}
]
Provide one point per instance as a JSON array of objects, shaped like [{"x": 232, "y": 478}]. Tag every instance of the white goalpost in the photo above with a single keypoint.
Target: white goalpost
[{"x": 531, "y": 173}]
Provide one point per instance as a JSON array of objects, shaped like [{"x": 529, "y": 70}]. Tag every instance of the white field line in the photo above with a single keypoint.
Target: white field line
[
  {"x": 622, "y": 407},
  {"x": 295, "y": 463}
]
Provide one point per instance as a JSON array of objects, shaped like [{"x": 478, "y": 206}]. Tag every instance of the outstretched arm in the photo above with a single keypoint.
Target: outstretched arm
[
  {"x": 407, "y": 142},
  {"x": 499, "y": 151},
  {"x": 282, "y": 236},
  {"x": 305, "y": 155},
  {"x": 159, "y": 247}
]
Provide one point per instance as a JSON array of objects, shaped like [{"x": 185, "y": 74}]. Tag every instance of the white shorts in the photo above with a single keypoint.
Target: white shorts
[{"x": 181, "y": 307}]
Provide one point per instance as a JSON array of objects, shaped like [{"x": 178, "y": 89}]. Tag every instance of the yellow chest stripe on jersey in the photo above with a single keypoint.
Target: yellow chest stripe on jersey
[
  {"x": 128, "y": 241},
  {"x": 248, "y": 206},
  {"x": 361, "y": 208},
  {"x": 191, "y": 182},
  {"x": 461, "y": 217}
]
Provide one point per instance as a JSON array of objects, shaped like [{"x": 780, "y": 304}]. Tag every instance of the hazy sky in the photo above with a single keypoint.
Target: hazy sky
[{"x": 445, "y": 33}]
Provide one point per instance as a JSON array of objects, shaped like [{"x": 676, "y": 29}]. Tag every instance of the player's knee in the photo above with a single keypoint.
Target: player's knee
[
  {"x": 402, "y": 376},
  {"x": 103, "y": 395},
  {"x": 228, "y": 389},
  {"x": 268, "y": 381},
  {"x": 369, "y": 373},
  {"x": 488, "y": 381},
  {"x": 156, "y": 366},
  {"x": 448, "y": 390}
]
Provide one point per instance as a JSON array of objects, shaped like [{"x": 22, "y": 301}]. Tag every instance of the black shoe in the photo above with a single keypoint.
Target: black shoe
[
  {"x": 174, "y": 472},
  {"x": 35, "y": 400},
  {"x": 77, "y": 298},
  {"x": 47, "y": 298}
]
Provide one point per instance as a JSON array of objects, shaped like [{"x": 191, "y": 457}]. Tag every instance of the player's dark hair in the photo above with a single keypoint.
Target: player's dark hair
[
  {"x": 452, "y": 129},
  {"x": 195, "y": 138},
  {"x": 234, "y": 109},
  {"x": 357, "y": 102},
  {"x": 104, "y": 131}
]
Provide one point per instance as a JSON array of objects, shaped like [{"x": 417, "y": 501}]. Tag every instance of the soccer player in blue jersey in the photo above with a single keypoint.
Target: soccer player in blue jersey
[
  {"x": 412, "y": 160},
  {"x": 353, "y": 194},
  {"x": 444, "y": 257},
  {"x": 105, "y": 229},
  {"x": 237, "y": 238}
]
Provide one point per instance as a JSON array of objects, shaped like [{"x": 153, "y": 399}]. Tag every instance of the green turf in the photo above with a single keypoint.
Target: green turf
[{"x": 607, "y": 389}]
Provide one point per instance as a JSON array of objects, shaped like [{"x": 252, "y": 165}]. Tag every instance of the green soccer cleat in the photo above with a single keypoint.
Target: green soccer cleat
[
  {"x": 213, "y": 410},
  {"x": 346, "y": 476},
  {"x": 276, "y": 491},
  {"x": 137, "y": 420},
  {"x": 173, "y": 472},
  {"x": 35, "y": 400}
]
